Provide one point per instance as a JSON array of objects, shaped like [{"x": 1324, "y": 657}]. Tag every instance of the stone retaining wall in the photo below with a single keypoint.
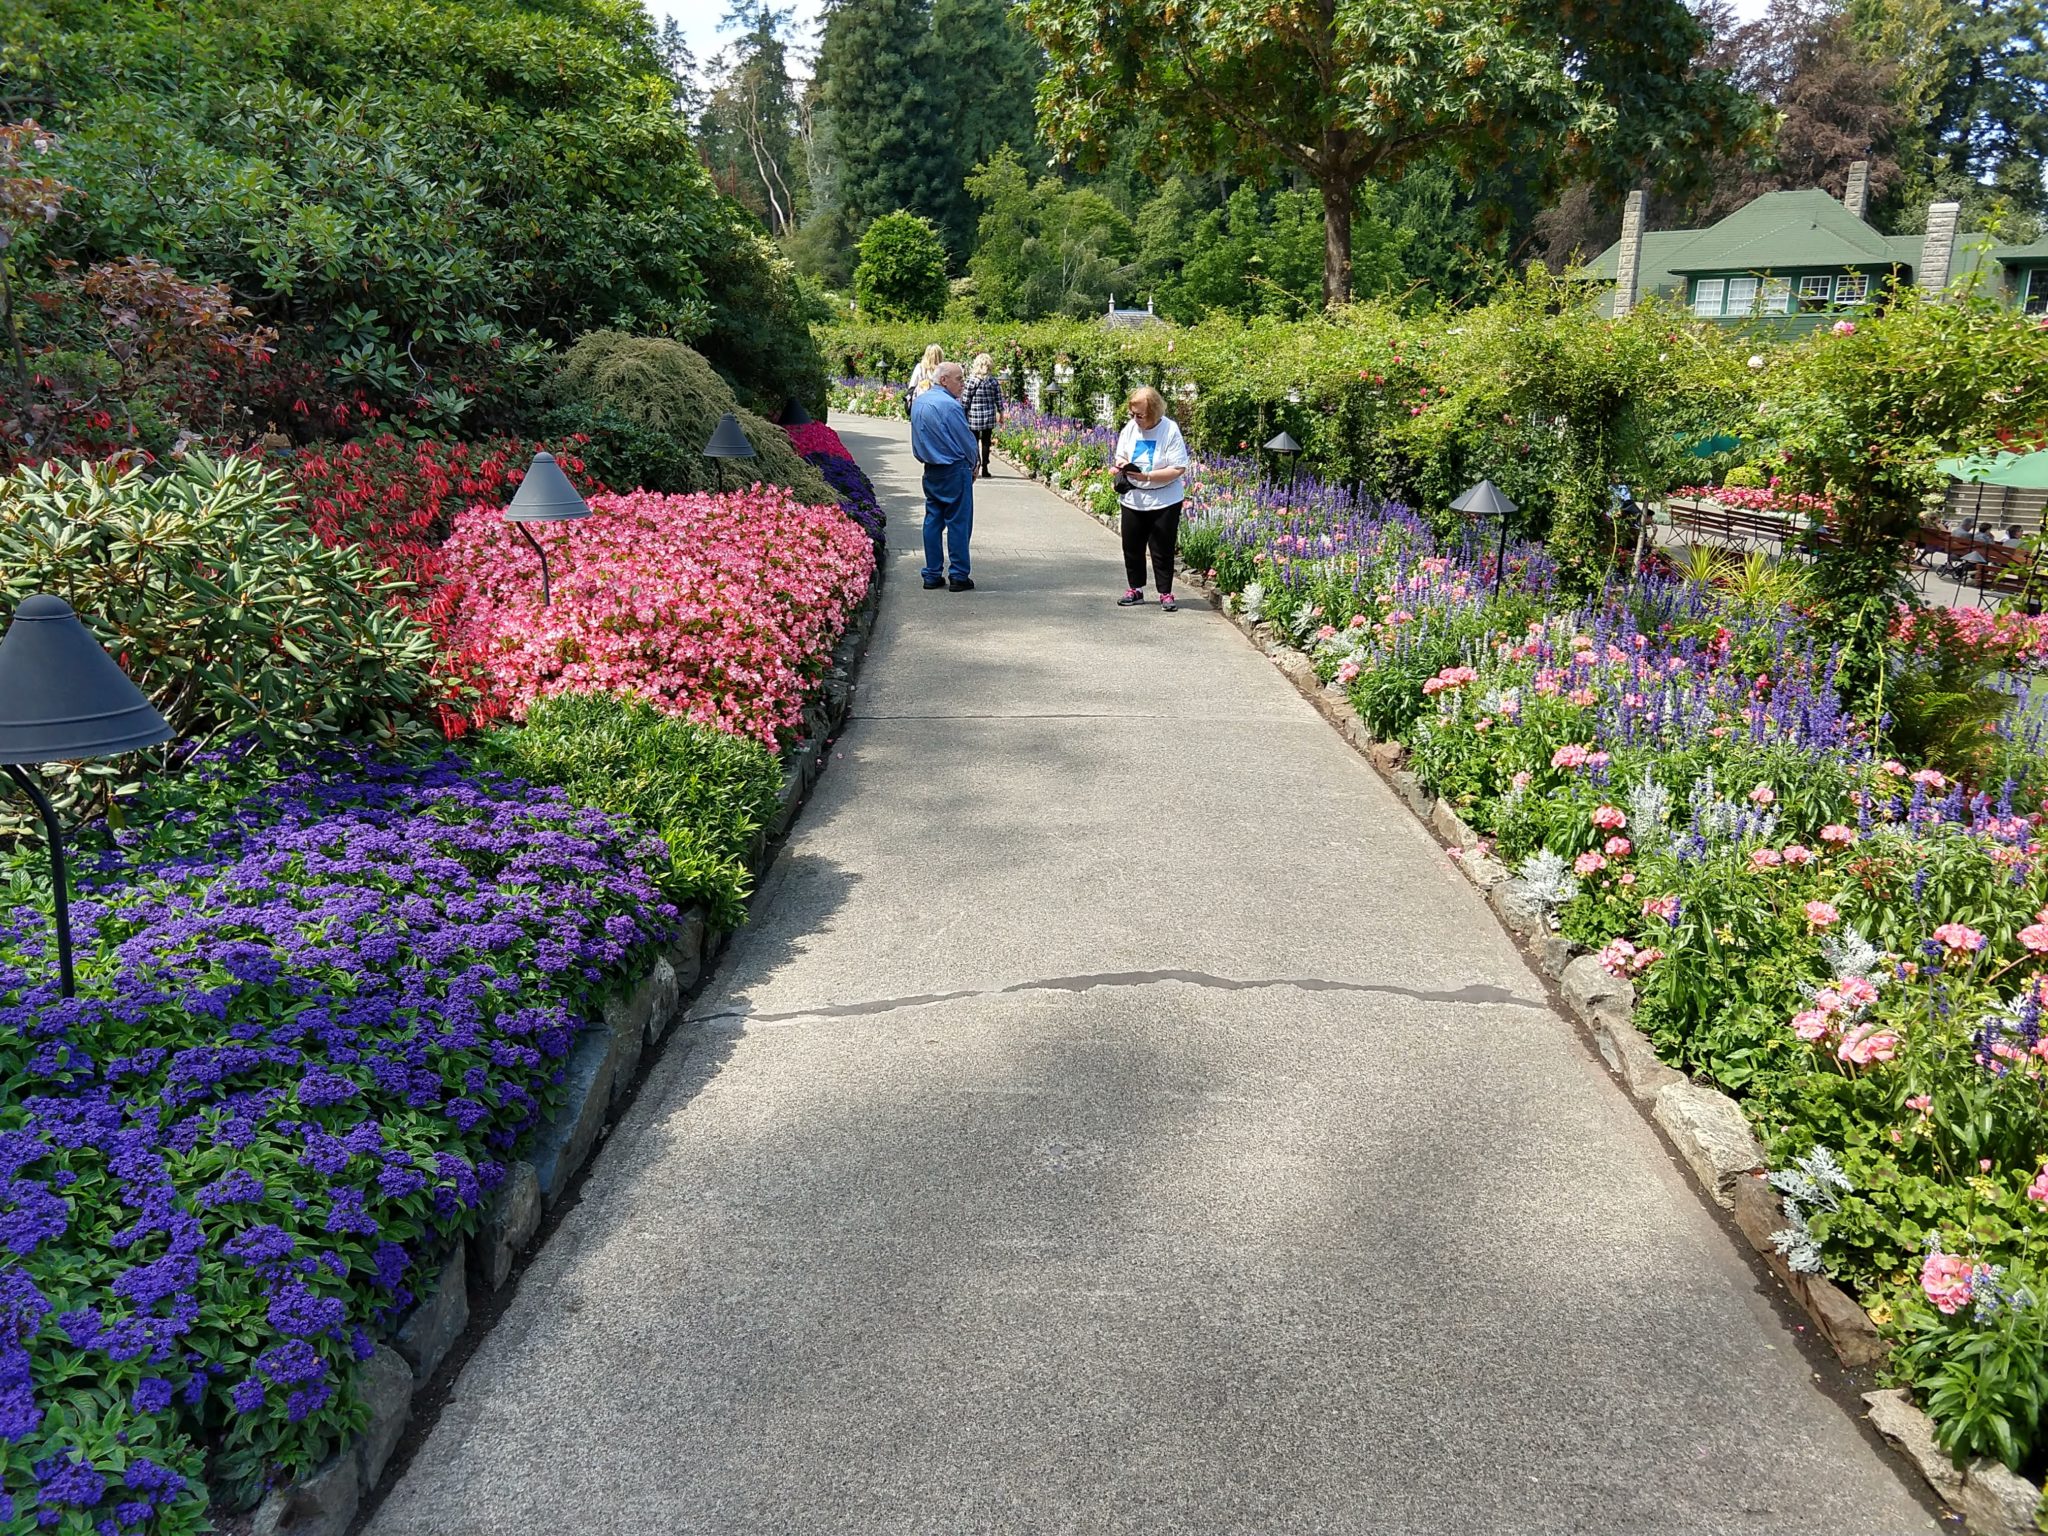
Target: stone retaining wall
[
  {"x": 1705, "y": 1127},
  {"x": 608, "y": 1059}
]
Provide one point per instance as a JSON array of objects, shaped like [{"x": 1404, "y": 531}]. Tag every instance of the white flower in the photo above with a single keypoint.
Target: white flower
[{"x": 1756, "y": 359}]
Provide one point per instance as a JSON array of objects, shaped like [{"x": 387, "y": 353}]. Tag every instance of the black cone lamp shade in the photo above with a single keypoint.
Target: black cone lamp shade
[
  {"x": 1283, "y": 444},
  {"x": 1484, "y": 500},
  {"x": 62, "y": 697},
  {"x": 544, "y": 496},
  {"x": 729, "y": 441},
  {"x": 794, "y": 414}
]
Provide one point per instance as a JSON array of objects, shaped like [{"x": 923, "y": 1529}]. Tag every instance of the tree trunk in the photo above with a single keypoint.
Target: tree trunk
[{"x": 1337, "y": 199}]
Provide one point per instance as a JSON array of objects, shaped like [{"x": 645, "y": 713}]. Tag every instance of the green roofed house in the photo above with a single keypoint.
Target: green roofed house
[{"x": 1795, "y": 260}]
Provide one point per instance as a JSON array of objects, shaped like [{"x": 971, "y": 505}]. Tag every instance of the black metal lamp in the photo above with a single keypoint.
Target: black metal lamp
[
  {"x": 1288, "y": 449},
  {"x": 728, "y": 442},
  {"x": 1484, "y": 503},
  {"x": 544, "y": 496},
  {"x": 62, "y": 697},
  {"x": 793, "y": 413}
]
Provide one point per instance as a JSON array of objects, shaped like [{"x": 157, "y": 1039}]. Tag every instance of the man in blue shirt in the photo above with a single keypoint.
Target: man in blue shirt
[{"x": 944, "y": 444}]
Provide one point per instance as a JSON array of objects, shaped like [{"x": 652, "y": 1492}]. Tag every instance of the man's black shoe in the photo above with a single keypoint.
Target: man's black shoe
[
  {"x": 932, "y": 583},
  {"x": 963, "y": 584}
]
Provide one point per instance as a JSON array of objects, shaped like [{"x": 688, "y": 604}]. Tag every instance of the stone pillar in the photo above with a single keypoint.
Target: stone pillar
[
  {"x": 1857, "y": 198},
  {"x": 1628, "y": 256},
  {"x": 1938, "y": 250}
]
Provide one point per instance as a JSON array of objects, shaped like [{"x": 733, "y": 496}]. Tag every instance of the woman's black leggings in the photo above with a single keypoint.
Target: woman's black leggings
[
  {"x": 1158, "y": 531},
  {"x": 987, "y": 436}
]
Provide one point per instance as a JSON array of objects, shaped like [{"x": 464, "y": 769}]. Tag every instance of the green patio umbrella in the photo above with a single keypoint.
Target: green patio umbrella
[
  {"x": 1978, "y": 468},
  {"x": 2023, "y": 471}
]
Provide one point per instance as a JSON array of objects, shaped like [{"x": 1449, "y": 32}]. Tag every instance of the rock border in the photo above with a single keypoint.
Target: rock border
[
  {"x": 609, "y": 1059},
  {"x": 1706, "y": 1127}
]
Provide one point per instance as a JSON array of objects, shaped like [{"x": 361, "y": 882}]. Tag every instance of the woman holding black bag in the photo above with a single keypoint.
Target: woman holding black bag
[{"x": 1151, "y": 464}]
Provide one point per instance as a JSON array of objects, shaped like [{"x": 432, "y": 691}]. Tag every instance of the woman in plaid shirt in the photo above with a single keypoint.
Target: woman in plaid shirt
[{"x": 984, "y": 402}]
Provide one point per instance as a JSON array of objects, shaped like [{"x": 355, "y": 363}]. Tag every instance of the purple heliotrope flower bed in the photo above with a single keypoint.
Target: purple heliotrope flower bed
[{"x": 315, "y": 1018}]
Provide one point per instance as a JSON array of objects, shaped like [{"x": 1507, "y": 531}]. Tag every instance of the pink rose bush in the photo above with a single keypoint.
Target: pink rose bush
[{"x": 723, "y": 609}]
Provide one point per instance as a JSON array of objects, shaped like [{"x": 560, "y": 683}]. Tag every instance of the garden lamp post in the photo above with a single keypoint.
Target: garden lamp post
[
  {"x": 63, "y": 697},
  {"x": 728, "y": 442},
  {"x": 793, "y": 413},
  {"x": 544, "y": 496},
  {"x": 1484, "y": 503},
  {"x": 1288, "y": 449}
]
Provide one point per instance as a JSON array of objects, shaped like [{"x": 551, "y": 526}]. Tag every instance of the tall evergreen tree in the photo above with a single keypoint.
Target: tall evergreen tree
[
  {"x": 889, "y": 125},
  {"x": 984, "y": 73},
  {"x": 749, "y": 131}
]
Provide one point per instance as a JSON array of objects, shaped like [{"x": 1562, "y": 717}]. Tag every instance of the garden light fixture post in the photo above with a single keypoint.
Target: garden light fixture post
[
  {"x": 1288, "y": 449},
  {"x": 793, "y": 413},
  {"x": 544, "y": 496},
  {"x": 62, "y": 697},
  {"x": 728, "y": 442},
  {"x": 1484, "y": 503}
]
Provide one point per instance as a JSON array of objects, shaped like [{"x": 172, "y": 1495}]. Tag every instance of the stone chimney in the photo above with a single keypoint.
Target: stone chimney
[
  {"x": 1628, "y": 256},
  {"x": 1857, "y": 198},
  {"x": 1938, "y": 250}
]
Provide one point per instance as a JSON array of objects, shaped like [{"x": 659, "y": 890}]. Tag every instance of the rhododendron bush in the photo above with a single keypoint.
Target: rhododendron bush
[{"x": 720, "y": 608}]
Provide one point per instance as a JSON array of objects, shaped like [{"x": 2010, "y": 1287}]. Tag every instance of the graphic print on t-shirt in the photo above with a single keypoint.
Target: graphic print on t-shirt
[{"x": 1142, "y": 451}]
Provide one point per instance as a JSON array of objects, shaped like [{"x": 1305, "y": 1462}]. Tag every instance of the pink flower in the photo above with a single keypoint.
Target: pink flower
[
  {"x": 1949, "y": 1281},
  {"x": 1665, "y": 907},
  {"x": 1621, "y": 958},
  {"x": 1584, "y": 698},
  {"x": 1821, "y": 914},
  {"x": 1894, "y": 767},
  {"x": 1921, "y": 1103},
  {"x": 1609, "y": 818},
  {"x": 1837, "y": 834},
  {"x": 1588, "y": 864},
  {"x": 2038, "y": 1190},
  {"x": 1347, "y": 673},
  {"x": 1522, "y": 779},
  {"x": 1571, "y": 756},
  {"x": 2035, "y": 937},
  {"x": 1616, "y": 848},
  {"x": 1765, "y": 858},
  {"x": 1928, "y": 778},
  {"x": 1798, "y": 853},
  {"x": 1810, "y": 1024},
  {"x": 1959, "y": 938},
  {"x": 1596, "y": 759},
  {"x": 1845, "y": 327},
  {"x": 1763, "y": 794},
  {"x": 1867, "y": 1043},
  {"x": 1856, "y": 992}
]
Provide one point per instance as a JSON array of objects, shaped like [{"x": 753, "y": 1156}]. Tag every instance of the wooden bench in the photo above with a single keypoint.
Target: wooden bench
[{"x": 1704, "y": 521}]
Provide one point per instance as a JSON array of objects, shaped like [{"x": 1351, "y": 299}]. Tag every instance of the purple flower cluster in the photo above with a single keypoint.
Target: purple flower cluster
[
  {"x": 856, "y": 492},
  {"x": 312, "y": 1027}
]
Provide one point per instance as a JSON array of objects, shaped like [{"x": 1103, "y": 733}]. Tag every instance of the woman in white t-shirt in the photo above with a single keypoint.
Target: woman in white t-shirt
[
  {"x": 924, "y": 374},
  {"x": 1152, "y": 461}
]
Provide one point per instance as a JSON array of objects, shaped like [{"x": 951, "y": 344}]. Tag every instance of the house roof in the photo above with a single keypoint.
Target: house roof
[
  {"x": 2022, "y": 255},
  {"x": 1785, "y": 229}
]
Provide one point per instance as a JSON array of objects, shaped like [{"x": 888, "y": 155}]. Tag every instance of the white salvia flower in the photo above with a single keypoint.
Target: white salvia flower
[{"x": 1649, "y": 807}]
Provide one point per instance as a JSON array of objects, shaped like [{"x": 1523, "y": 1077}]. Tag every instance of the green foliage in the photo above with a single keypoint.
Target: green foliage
[
  {"x": 211, "y": 589},
  {"x": 881, "y": 93},
  {"x": 1044, "y": 249},
  {"x": 1372, "y": 88},
  {"x": 1746, "y": 477},
  {"x": 403, "y": 190},
  {"x": 706, "y": 793},
  {"x": 901, "y": 274},
  {"x": 670, "y": 401}
]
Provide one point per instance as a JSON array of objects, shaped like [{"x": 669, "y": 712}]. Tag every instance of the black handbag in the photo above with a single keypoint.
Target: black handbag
[{"x": 1121, "y": 482}]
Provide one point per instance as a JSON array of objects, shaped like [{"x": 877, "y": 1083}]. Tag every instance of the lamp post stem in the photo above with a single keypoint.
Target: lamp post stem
[
  {"x": 58, "y": 879},
  {"x": 1500, "y": 560},
  {"x": 546, "y": 598}
]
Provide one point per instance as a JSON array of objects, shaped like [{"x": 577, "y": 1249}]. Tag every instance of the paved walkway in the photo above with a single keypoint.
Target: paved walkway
[{"x": 1120, "y": 1117}]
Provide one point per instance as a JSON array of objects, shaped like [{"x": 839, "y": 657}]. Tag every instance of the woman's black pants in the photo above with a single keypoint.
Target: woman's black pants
[{"x": 1158, "y": 531}]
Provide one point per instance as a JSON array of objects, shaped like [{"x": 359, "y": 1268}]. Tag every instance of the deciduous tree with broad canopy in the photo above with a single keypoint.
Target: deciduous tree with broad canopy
[{"x": 1347, "y": 91}]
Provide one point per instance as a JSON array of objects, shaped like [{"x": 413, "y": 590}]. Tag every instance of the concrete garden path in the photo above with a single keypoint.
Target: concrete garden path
[{"x": 1121, "y": 1117}]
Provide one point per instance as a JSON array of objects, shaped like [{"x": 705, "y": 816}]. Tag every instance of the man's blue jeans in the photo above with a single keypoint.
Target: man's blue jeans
[{"x": 948, "y": 519}]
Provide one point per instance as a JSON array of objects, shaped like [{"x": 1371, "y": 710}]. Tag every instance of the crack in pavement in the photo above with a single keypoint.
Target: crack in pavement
[{"x": 1475, "y": 995}]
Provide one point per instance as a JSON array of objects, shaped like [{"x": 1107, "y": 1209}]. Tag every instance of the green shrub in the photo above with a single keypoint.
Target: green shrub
[
  {"x": 665, "y": 390},
  {"x": 902, "y": 270},
  {"x": 214, "y": 594},
  {"x": 1746, "y": 477},
  {"x": 705, "y": 792}
]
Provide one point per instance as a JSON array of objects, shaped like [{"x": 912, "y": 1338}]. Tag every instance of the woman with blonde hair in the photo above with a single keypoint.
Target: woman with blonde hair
[
  {"x": 1151, "y": 464},
  {"x": 924, "y": 374},
  {"x": 984, "y": 402}
]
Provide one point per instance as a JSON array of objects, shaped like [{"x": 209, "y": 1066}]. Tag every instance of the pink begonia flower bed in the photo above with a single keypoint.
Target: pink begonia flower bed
[{"x": 721, "y": 608}]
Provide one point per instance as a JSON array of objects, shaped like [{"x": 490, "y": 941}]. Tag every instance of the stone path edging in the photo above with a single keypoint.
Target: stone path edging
[
  {"x": 601, "y": 1071},
  {"x": 1705, "y": 1126}
]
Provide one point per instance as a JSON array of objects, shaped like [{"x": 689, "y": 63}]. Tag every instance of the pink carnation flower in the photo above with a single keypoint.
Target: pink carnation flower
[
  {"x": 1765, "y": 858},
  {"x": 1617, "y": 847},
  {"x": 1959, "y": 938},
  {"x": 1665, "y": 907},
  {"x": 1569, "y": 756},
  {"x": 1763, "y": 794},
  {"x": 1822, "y": 914},
  {"x": 2038, "y": 1190},
  {"x": 2035, "y": 937},
  {"x": 1588, "y": 864},
  {"x": 1949, "y": 1281},
  {"x": 1798, "y": 853},
  {"x": 1867, "y": 1043},
  {"x": 1609, "y": 818},
  {"x": 1837, "y": 834}
]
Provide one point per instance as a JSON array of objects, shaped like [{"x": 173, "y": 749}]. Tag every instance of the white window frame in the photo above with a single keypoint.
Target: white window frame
[
  {"x": 2034, "y": 291},
  {"x": 1852, "y": 289},
  {"x": 1777, "y": 296},
  {"x": 1816, "y": 290},
  {"x": 1707, "y": 296},
  {"x": 1742, "y": 292}
]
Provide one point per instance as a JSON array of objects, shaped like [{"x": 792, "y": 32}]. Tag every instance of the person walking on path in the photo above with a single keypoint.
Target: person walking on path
[
  {"x": 942, "y": 442},
  {"x": 1151, "y": 463},
  {"x": 984, "y": 403},
  {"x": 923, "y": 375}
]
